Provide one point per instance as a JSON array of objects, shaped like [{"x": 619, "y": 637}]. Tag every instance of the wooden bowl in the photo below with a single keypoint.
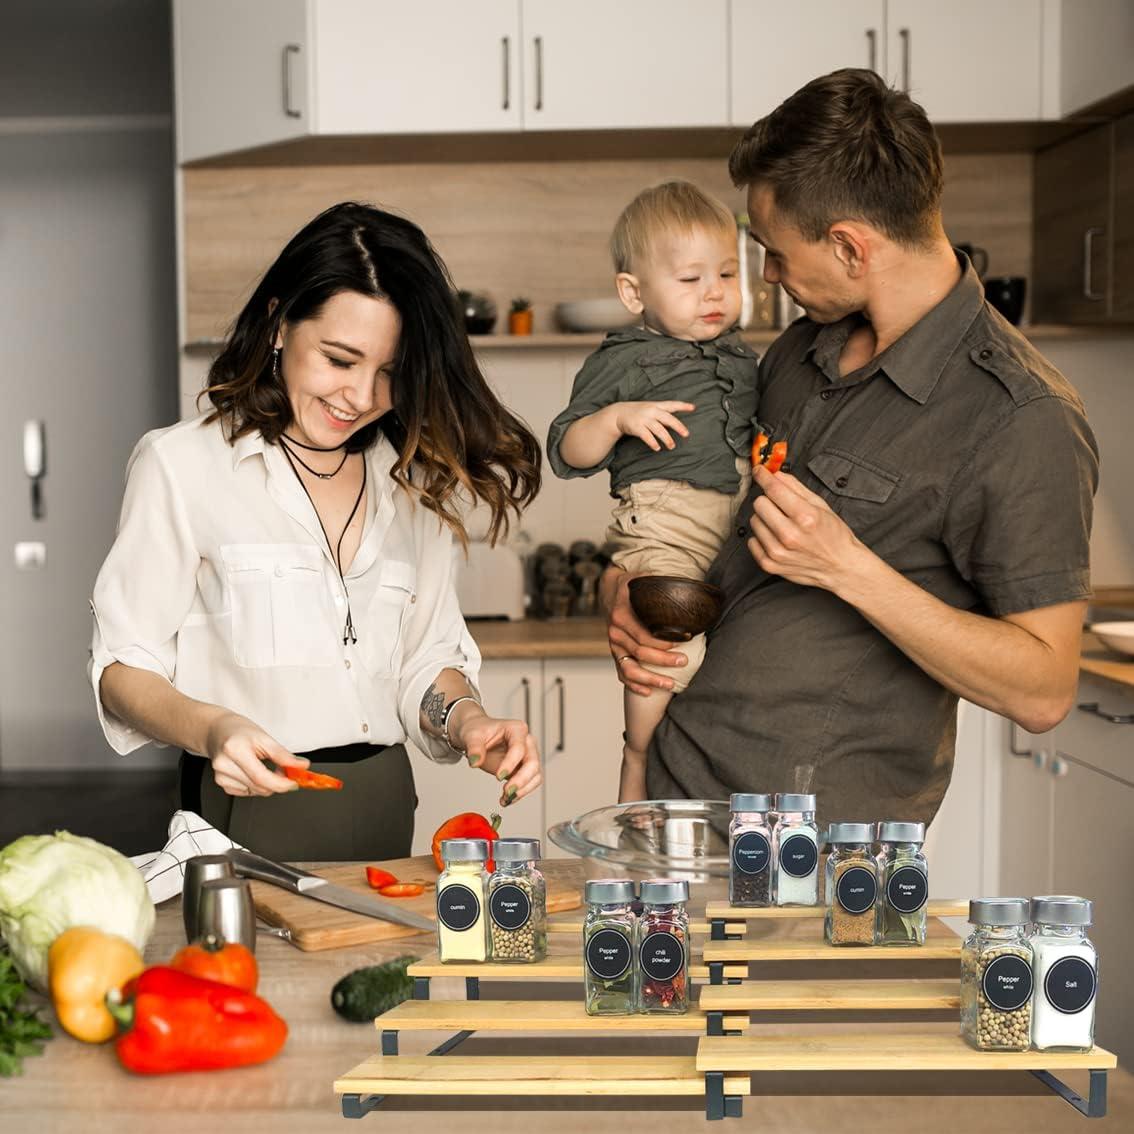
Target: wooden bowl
[{"x": 675, "y": 609}]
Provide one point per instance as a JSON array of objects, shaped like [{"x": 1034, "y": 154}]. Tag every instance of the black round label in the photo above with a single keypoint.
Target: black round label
[
  {"x": 1007, "y": 983},
  {"x": 750, "y": 853},
  {"x": 457, "y": 907},
  {"x": 798, "y": 856},
  {"x": 908, "y": 889},
  {"x": 661, "y": 956},
  {"x": 510, "y": 907},
  {"x": 857, "y": 889},
  {"x": 1069, "y": 985},
  {"x": 609, "y": 954}
]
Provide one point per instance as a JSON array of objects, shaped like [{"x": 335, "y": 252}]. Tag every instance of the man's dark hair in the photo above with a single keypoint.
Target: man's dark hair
[{"x": 847, "y": 147}]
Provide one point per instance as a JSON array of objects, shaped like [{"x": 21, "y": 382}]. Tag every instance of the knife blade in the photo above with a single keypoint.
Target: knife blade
[{"x": 249, "y": 865}]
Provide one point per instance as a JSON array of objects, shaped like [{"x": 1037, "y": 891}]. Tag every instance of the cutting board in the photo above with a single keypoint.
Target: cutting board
[{"x": 313, "y": 925}]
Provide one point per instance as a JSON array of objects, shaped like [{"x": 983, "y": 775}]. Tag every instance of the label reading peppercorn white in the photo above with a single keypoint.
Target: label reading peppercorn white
[
  {"x": 1069, "y": 985},
  {"x": 661, "y": 956},
  {"x": 458, "y": 908},
  {"x": 857, "y": 889},
  {"x": 798, "y": 856},
  {"x": 1007, "y": 983},
  {"x": 608, "y": 954},
  {"x": 908, "y": 889},
  {"x": 750, "y": 853},
  {"x": 509, "y": 907}
]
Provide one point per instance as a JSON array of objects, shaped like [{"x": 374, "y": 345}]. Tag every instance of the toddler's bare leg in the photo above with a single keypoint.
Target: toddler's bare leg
[{"x": 643, "y": 715}]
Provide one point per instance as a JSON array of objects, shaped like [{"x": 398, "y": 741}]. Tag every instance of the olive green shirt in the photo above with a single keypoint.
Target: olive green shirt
[
  {"x": 636, "y": 365},
  {"x": 963, "y": 459}
]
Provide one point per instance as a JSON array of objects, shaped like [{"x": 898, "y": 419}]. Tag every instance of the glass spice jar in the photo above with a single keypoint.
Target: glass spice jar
[
  {"x": 996, "y": 976},
  {"x": 1065, "y": 972},
  {"x": 904, "y": 875},
  {"x": 795, "y": 850},
  {"x": 662, "y": 936},
  {"x": 750, "y": 850},
  {"x": 517, "y": 902},
  {"x": 609, "y": 973},
  {"x": 462, "y": 927},
  {"x": 852, "y": 885}
]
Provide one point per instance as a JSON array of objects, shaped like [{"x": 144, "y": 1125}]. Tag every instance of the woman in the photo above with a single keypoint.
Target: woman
[{"x": 280, "y": 591}]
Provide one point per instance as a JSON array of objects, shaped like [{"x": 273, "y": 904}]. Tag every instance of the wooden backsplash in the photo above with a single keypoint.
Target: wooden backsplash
[{"x": 537, "y": 229}]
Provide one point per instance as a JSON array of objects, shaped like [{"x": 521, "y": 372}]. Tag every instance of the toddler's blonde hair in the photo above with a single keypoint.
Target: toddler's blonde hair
[{"x": 672, "y": 205}]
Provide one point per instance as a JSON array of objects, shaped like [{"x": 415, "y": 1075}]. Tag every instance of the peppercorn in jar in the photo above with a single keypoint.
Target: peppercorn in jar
[
  {"x": 996, "y": 976},
  {"x": 517, "y": 902},
  {"x": 750, "y": 850},
  {"x": 662, "y": 937}
]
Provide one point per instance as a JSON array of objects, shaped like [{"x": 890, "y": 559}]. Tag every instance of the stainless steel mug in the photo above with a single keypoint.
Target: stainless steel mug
[
  {"x": 199, "y": 870},
  {"x": 226, "y": 910}
]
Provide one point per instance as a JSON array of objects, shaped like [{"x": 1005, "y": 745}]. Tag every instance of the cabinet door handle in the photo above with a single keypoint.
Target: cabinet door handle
[
  {"x": 289, "y": 52},
  {"x": 539, "y": 72},
  {"x": 561, "y": 685},
  {"x": 526, "y": 685},
  {"x": 506, "y": 44},
  {"x": 904, "y": 36},
  {"x": 1092, "y": 707},
  {"x": 1088, "y": 265},
  {"x": 872, "y": 49},
  {"x": 1013, "y": 747}
]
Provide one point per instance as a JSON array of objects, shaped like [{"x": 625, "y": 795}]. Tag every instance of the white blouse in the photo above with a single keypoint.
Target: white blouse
[{"x": 220, "y": 580}]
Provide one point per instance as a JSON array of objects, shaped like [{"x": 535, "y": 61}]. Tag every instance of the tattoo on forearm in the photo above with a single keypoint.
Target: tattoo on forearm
[{"x": 433, "y": 706}]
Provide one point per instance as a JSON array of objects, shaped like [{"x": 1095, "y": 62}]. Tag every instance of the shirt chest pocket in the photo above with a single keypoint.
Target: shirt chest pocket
[
  {"x": 856, "y": 489},
  {"x": 281, "y": 609},
  {"x": 381, "y": 637}
]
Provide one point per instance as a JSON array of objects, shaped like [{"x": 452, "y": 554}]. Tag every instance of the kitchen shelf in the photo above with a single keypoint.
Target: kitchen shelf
[
  {"x": 746, "y": 950},
  {"x": 941, "y": 907},
  {"x": 831, "y": 996}
]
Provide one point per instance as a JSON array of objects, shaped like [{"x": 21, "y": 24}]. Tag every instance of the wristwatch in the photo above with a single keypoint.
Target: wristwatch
[{"x": 445, "y": 722}]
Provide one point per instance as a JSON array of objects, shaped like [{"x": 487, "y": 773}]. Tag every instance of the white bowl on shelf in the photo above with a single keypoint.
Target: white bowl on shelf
[
  {"x": 1117, "y": 636},
  {"x": 593, "y": 315}
]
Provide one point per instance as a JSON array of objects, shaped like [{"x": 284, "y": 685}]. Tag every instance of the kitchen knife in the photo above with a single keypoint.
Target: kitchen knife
[{"x": 249, "y": 865}]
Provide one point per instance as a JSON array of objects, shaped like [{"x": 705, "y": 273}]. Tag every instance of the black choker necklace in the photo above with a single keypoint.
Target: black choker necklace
[
  {"x": 311, "y": 448},
  {"x": 287, "y": 442}
]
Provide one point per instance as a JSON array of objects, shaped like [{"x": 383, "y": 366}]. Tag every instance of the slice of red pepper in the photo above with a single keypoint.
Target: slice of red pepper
[
  {"x": 308, "y": 779},
  {"x": 770, "y": 455},
  {"x": 777, "y": 457},
  {"x": 377, "y": 878},
  {"x": 402, "y": 890}
]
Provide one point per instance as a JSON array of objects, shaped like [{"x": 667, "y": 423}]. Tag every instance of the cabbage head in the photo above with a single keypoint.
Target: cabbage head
[{"x": 49, "y": 883}]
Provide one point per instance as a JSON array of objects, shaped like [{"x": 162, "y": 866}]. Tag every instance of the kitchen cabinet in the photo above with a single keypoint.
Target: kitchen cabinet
[{"x": 1027, "y": 800}]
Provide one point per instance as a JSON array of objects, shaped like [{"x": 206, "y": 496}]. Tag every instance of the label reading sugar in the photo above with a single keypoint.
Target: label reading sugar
[
  {"x": 1069, "y": 985},
  {"x": 908, "y": 889},
  {"x": 458, "y": 908},
  {"x": 608, "y": 954},
  {"x": 661, "y": 956},
  {"x": 750, "y": 853},
  {"x": 510, "y": 907},
  {"x": 1007, "y": 983},
  {"x": 857, "y": 889},
  {"x": 798, "y": 856}
]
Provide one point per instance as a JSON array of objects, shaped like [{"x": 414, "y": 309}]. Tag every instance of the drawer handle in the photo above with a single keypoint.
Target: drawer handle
[
  {"x": 1088, "y": 265},
  {"x": 290, "y": 52},
  {"x": 1092, "y": 707},
  {"x": 561, "y": 685},
  {"x": 527, "y": 687}
]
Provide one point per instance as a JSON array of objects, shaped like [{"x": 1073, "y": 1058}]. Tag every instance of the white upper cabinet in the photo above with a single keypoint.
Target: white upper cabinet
[
  {"x": 1096, "y": 52},
  {"x": 776, "y": 48},
  {"x": 968, "y": 60},
  {"x": 434, "y": 67},
  {"x": 595, "y": 65}
]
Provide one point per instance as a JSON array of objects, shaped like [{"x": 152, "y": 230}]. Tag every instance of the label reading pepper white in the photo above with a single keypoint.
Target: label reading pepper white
[
  {"x": 609, "y": 954},
  {"x": 509, "y": 907},
  {"x": 1007, "y": 983},
  {"x": 908, "y": 889}
]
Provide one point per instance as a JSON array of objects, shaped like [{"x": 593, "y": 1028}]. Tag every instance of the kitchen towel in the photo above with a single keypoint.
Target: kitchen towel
[{"x": 189, "y": 836}]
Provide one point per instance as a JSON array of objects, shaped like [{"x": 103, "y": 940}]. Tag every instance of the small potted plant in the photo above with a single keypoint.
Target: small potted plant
[{"x": 520, "y": 317}]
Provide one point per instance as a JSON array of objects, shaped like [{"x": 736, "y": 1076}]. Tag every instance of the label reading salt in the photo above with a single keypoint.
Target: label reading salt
[
  {"x": 509, "y": 907},
  {"x": 1007, "y": 983},
  {"x": 908, "y": 889},
  {"x": 458, "y": 908},
  {"x": 661, "y": 956},
  {"x": 1069, "y": 985},
  {"x": 798, "y": 856},
  {"x": 608, "y": 954},
  {"x": 857, "y": 889},
  {"x": 750, "y": 853}
]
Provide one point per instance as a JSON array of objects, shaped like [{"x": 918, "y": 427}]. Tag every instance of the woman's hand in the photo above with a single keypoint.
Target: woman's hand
[
  {"x": 630, "y": 642},
  {"x": 238, "y": 748},
  {"x": 503, "y": 748}
]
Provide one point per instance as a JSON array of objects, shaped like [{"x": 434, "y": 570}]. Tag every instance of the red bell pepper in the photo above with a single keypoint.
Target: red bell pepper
[
  {"x": 213, "y": 958},
  {"x": 179, "y": 1022},
  {"x": 307, "y": 779},
  {"x": 770, "y": 455},
  {"x": 468, "y": 825}
]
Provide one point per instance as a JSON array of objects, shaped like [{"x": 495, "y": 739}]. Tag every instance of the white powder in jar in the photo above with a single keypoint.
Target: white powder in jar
[
  {"x": 797, "y": 848},
  {"x": 1064, "y": 974}
]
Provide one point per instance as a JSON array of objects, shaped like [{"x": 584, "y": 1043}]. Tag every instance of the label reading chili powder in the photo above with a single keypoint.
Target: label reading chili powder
[
  {"x": 857, "y": 889},
  {"x": 661, "y": 956},
  {"x": 750, "y": 853},
  {"x": 1007, "y": 983}
]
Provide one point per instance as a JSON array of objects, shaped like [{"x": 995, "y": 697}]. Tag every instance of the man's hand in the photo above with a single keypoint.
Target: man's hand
[
  {"x": 797, "y": 536},
  {"x": 651, "y": 421},
  {"x": 630, "y": 642}
]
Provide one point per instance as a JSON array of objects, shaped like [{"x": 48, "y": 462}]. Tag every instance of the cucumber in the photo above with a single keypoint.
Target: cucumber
[{"x": 366, "y": 993}]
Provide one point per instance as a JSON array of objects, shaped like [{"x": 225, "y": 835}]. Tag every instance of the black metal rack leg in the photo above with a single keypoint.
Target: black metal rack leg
[
  {"x": 421, "y": 988},
  {"x": 358, "y": 1106},
  {"x": 389, "y": 1042},
  {"x": 1093, "y": 1107}
]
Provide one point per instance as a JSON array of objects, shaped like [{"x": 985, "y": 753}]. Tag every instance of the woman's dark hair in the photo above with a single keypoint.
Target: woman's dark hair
[{"x": 446, "y": 422}]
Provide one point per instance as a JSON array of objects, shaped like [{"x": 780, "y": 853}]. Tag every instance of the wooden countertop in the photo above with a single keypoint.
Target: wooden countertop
[{"x": 1100, "y": 662}]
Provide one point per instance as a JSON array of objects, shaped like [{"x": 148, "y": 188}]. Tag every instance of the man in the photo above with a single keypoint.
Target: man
[{"x": 929, "y": 537}]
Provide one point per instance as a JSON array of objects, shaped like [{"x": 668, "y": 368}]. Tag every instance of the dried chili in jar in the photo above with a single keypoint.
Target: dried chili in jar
[{"x": 661, "y": 938}]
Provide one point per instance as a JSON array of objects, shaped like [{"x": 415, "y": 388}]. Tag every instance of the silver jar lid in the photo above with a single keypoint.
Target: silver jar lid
[
  {"x": 999, "y": 911},
  {"x": 609, "y": 892},
  {"x": 749, "y": 801},
  {"x": 464, "y": 850},
  {"x": 664, "y": 891},
  {"x": 795, "y": 801},
  {"x": 515, "y": 850},
  {"x": 850, "y": 833},
  {"x": 1061, "y": 909},
  {"x": 893, "y": 831}
]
